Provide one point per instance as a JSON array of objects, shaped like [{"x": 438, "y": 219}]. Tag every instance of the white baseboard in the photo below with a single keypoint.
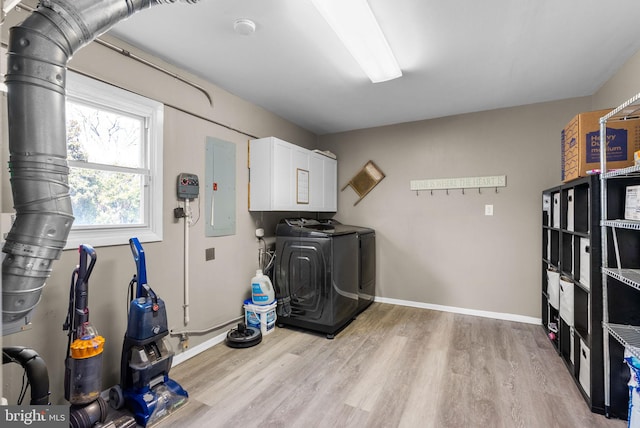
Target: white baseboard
[
  {"x": 192, "y": 352},
  {"x": 474, "y": 312}
]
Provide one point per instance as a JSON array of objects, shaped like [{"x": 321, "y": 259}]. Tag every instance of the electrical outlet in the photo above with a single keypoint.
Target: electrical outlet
[
  {"x": 209, "y": 254},
  {"x": 488, "y": 210}
]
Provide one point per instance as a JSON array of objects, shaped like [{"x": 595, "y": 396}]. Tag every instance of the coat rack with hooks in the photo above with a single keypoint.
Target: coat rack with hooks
[{"x": 462, "y": 183}]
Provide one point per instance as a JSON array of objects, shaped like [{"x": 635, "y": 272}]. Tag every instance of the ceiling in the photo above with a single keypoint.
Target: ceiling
[{"x": 457, "y": 56}]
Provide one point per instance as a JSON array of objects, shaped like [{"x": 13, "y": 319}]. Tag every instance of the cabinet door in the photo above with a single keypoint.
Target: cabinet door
[
  {"x": 323, "y": 183},
  {"x": 316, "y": 182},
  {"x": 300, "y": 177},
  {"x": 260, "y": 177},
  {"x": 330, "y": 184},
  {"x": 282, "y": 184}
]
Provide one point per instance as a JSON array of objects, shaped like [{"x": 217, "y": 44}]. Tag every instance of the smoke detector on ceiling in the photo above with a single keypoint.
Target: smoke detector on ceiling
[{"x": 244, "y": 26}]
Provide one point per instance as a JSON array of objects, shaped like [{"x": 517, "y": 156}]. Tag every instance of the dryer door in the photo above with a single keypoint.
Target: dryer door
[{"x": 303, "y": 273}]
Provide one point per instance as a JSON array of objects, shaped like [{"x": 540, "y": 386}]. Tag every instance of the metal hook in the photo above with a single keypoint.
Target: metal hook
[
  {"x": 447, "y": 192},
  {"x": 479, "y": 192},
  {"x": 496, "y": 190},
  {"x": 463, "y": 191},
  {"x": 431, "y": 192}
]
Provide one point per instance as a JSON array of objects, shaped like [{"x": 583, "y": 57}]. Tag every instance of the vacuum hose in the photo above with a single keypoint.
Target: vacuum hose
[{"x": 36, "y": 370}]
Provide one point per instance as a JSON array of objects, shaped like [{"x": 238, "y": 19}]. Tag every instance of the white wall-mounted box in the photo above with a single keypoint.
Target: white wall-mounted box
[{"x": 286, "y": 177}]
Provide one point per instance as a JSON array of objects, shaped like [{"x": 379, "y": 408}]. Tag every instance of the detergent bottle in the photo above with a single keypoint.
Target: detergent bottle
[{"x": 262, "y": 292}]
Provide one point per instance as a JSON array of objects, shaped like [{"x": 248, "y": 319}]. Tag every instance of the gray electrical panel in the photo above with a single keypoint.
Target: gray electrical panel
[{"x": 220, "y": 188}]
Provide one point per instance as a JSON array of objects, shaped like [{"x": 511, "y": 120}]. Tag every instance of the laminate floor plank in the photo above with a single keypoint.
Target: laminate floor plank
[
  {"x": 485, "y": 392},
  {"x": 428, "y": 370},
  {"x": 365, "y": 391},
  {"x": 311, "y": 382},
  {"x": 335, "y": 387},
  {"x": 330, "y": 376},
  {"x": 393, "y": 366}
]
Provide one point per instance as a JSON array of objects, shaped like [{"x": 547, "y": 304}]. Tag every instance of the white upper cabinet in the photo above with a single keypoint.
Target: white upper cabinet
[{"x": 286, "y": 177}]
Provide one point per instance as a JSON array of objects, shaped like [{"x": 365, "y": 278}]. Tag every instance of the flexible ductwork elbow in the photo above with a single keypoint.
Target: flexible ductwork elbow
[
  {"x": 38, "y": 52},
  {"x": 35, "y": 368}
]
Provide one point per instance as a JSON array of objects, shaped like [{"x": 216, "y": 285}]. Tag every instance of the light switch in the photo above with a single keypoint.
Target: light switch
[{"x": 488, "y": 210}]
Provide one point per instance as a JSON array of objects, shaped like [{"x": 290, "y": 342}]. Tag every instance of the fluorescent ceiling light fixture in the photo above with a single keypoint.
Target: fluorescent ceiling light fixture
[{"x": 356, "y": 26}]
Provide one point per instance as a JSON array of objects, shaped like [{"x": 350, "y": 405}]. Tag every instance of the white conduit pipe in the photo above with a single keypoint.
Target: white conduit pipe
[{"x": 187, "y": 220}]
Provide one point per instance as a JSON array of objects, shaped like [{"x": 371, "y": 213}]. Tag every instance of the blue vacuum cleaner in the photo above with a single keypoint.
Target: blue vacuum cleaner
[{"x": 145, "y": 387}]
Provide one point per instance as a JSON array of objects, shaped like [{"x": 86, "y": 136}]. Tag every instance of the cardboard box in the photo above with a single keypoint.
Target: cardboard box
[{"x": 580, "y": 142}]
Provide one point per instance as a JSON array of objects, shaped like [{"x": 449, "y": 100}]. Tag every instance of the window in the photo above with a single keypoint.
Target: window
[{"x": 114, "y": 151}]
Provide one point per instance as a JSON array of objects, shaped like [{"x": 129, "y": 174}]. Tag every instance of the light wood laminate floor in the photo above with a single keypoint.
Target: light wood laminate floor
[{"x": 393, "y": 366}]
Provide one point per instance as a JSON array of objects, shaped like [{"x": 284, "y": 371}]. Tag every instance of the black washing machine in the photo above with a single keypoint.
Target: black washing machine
[{"x": 319, "y": 266}]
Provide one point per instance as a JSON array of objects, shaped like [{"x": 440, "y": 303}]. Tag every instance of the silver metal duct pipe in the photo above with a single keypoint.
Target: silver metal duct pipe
[{"x": 38, "y": 52}]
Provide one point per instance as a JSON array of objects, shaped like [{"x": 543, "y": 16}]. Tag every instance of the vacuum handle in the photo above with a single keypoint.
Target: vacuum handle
[
  {"x": 154, "y": 298},
  {"x": 141, "y": 266},
  {"x": 82, "y": 272}
]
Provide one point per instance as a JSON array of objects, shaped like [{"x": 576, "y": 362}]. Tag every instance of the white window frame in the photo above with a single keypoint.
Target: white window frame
[{"x": 87, "y": 90}]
